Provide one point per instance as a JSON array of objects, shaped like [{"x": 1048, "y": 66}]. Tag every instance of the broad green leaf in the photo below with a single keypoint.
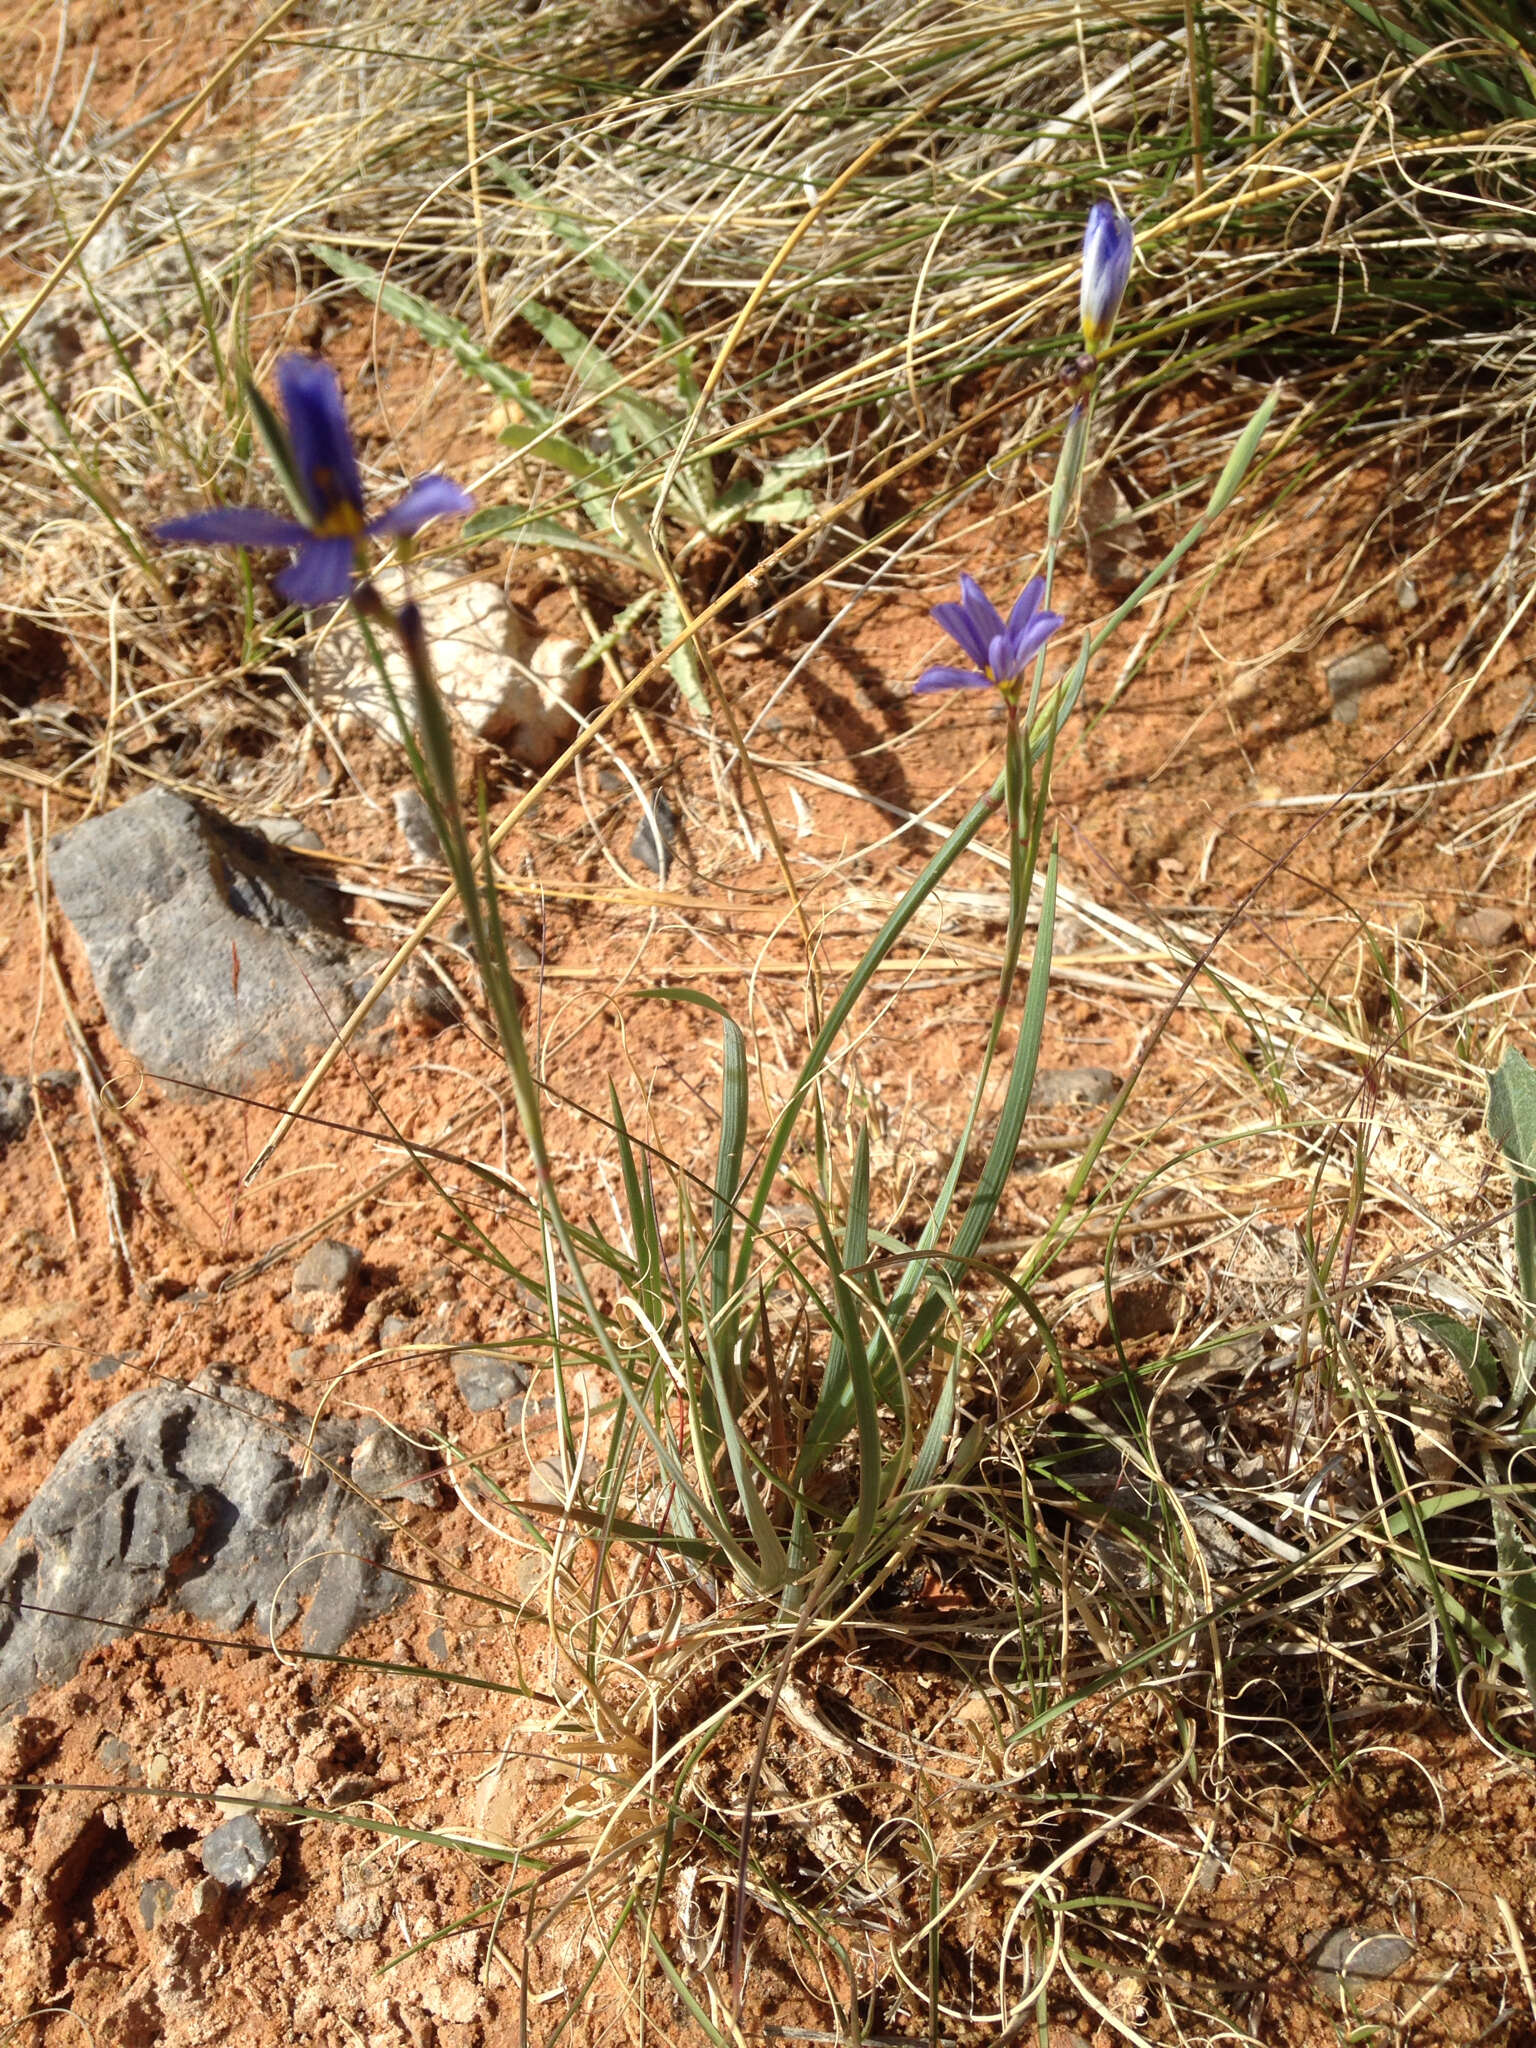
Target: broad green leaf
[
  {"x": 683, "y": 662},
  {"x": 578, "y": 351},
  {"x": 526, "y": 436},
  {"x": 435, "y": 326},
  {"x": 641, "y": 302},
  {"x": 1512, "y": 1126},
  {"x": 787, "y": 509},
  {"x": 1470, "y": 1348},
  {"x": 534, "y": 530}
]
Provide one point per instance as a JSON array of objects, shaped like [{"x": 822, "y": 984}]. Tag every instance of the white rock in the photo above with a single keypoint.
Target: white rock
[{"x": 501, "y": 678}]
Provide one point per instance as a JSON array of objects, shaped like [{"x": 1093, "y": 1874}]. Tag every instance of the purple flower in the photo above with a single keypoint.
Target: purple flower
[
  {"x": 1001, "y": 652},
  {"x": 324, "y": 466},
  {"x": 1109, "y": 242}
]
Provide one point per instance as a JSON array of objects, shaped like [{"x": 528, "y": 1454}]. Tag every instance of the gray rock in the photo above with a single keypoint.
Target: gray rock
[
  {"x": 104, "y": 1368},
  {"x": 1057, "y": 1087},
  {"x": 487, "y": 1379},
  {"x": 154, "y": 1897},
  {"x": 324, "y": 1283},
  {"x": 361, "y": 1917},
  {"x": 389, "y": 1467},
  {"x": 1351, "y": 1955},
  {"x": 16, "y": 1107},
  {"x": 1361, "y": 669},
  {"x": 200, "y": 1497},
  {"x": 1487, "y": 929},
  {"x": 217, "y": 960},
  {"x": 547, "y": 1483},
  {"x": 655, "y": 834},
  {"x": 289, "y": 833},
  {"x": 416, "y": 828},
  {"x": 237, "y": 1853}
]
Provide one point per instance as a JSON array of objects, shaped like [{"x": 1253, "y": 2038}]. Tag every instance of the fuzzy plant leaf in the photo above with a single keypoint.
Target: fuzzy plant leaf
[
  {"x": 435, "y": 326},
  {"x": 1512, "y": 1126},
  {"x": 523, "y": 528}
]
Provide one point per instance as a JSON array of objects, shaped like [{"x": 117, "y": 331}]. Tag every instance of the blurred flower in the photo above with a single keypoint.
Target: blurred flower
[
  {"x": 324, "y": 467},
  {"x": 1109, "y": 242},
  {"x": 1001, "y": 652}
]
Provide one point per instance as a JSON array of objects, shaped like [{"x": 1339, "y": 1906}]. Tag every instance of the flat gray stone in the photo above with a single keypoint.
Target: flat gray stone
[
  {"x": 655, "y": 834},
  {"x": 388, "y": 1467},
  {"x": 218, "y": 960},
  {"x": 1361, "y": 669},
  {"x": 1352, "y": 1955},
  {"x": 1059, "y": 1087},
  {"x": 195, "y": 1497},
  {"x": 237, "y": 1853},
  {"x": 487, "y": 1379},
  {"x": 324, "y": 1283},
  {"x": 16, "y": 1107},
  {"x": 1488, "y": 929},
  {"x": 289, "y": 833}
]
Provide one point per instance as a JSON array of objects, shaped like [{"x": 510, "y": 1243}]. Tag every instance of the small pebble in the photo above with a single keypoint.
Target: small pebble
[
  {"x": 414, "y": 821},
  {"x": 1361, "y": 669},
  {"x": 1056, "y": 1087},
  {"x": 1488, "y": 929},
  {"x": 289, "y": 834},
  {"x": 104, "y": 1368},
  {"x": 487, "y": 1379},
  {"x": 655, "y": 834},
  {"x": 238, "y": 1852},
  {"x": 16, "y": 1107},
  {"x": 1350, "y": 1955}
]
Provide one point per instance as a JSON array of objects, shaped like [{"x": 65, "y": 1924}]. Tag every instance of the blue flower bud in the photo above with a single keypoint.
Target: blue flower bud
[{"x": 1109, "y": 242}]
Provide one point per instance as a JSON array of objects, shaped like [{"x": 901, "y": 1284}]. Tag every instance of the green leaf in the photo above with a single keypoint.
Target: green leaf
[
  {"x": 274, "y": 438},
  {"x": 1512, "y": 1126},
  {"x": 435, "y": 326},
  {"x": 760, "y": 504},
  {"x": 1469, "y": 1347},
  {"x": 640, "y": 301},
  {"x": 534, "y": 530},
  {"x": 597, "y": 371},
  {"x": 526, "y": 437},
  {"x": 683, "y": 661}
]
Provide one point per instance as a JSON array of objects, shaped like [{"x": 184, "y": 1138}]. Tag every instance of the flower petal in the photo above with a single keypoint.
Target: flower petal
[
  {"x": 1109, "y": 244},
  {"x": 1033, "y": 637},
  {"x": 430, "y": 497},
  {"x": 981, "y": 611},
  {"x": 959, "y": 625},
  {"x": 951, "y": 679},
  {"x": 323, "y": 574},
  {"x": 239, "y": 526},
  {"x": 1026, "y": 604},
  {"x": 322, "y": 440}
]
